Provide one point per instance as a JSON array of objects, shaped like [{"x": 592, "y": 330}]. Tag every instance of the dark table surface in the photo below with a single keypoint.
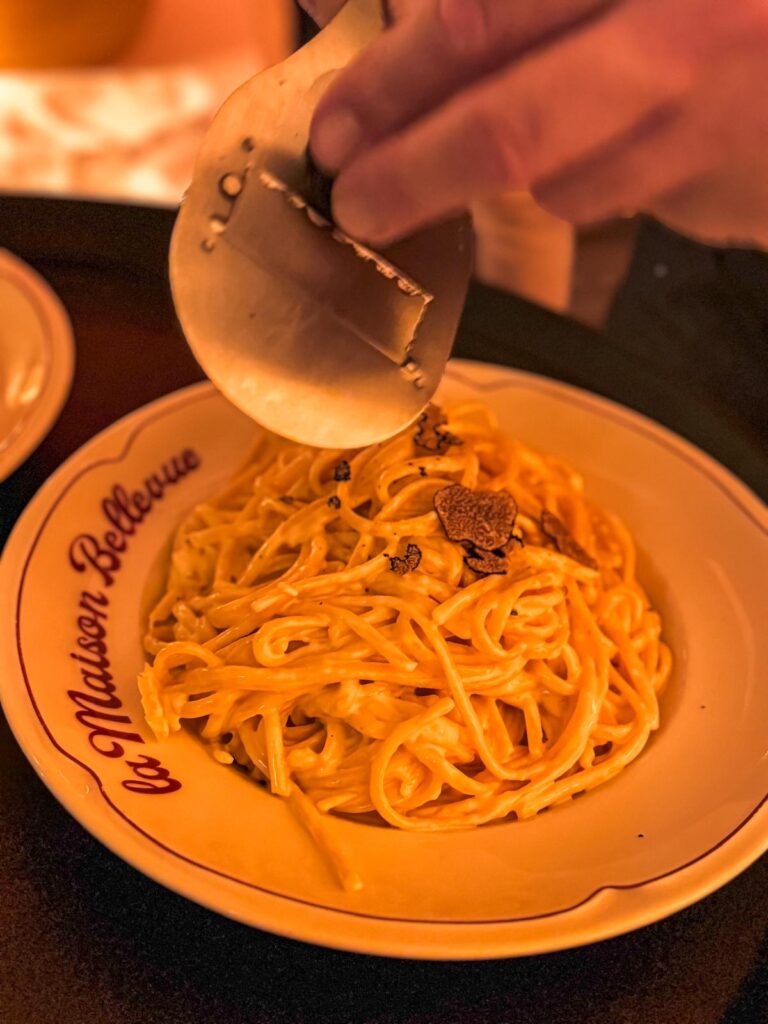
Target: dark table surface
[{"x": 86, "y": 939}]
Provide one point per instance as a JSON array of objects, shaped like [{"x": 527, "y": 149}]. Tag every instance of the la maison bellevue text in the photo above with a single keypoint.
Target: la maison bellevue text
[{"x": 100, "y": 711}]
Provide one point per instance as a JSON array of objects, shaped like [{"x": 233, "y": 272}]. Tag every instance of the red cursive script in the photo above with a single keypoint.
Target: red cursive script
[
  {"x": 99, "y": 709},
  {"x": 124, "y": 513}
]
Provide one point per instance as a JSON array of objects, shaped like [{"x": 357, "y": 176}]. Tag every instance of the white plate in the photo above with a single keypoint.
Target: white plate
[
  {"x": 696, "y": 796},
  {"x": 36, "y": 361}
]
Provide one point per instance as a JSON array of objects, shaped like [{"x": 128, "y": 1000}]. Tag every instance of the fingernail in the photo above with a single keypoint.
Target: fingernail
[{"x": 335, "y": 137}]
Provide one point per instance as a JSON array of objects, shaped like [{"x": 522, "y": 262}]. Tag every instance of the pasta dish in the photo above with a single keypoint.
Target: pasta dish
[{"x": 435, "y": 632}]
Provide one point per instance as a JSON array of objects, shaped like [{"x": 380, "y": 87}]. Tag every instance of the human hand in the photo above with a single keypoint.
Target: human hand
[{"x": 598, "y": 108}]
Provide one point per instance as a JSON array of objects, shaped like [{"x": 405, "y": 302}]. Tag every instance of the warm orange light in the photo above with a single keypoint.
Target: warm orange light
[
  {"x": 129, "y": 128},
  {"x": 60, "y": 33}
]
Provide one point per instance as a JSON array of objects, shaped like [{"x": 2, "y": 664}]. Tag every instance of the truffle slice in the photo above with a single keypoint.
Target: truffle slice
[
  {"x": 342, "y": 471},
  {"x": 486, "y": 563},
  {"x": 484, "y": 519},
  {"x": 430, "y": 436},
  {"x": 410, "y": 562},
  {"x": 556, "y": 530}
]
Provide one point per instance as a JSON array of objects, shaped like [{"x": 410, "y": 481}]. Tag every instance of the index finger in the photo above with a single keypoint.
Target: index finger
[
  {"x": 425, "y": 58},
  {"x": 541, "y": 115}
]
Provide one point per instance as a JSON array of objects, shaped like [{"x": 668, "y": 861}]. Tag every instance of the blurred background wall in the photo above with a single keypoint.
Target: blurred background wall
[{"x": 110, "y": 99}]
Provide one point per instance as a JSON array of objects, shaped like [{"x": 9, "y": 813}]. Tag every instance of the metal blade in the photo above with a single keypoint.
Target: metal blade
[{"x": 313, "y": 335}]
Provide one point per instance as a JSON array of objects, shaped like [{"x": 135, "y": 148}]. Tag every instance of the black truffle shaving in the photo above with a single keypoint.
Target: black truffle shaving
[{"x": 408, "y": 563}]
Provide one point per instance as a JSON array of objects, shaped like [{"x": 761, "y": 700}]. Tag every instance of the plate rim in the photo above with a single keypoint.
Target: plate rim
[
  {"x": 59, "y": 340},
  {"x": 749, "y": 503}
]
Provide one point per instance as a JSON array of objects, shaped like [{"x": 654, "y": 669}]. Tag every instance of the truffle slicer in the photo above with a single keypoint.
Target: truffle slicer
[{"x": 310, "y": 333}]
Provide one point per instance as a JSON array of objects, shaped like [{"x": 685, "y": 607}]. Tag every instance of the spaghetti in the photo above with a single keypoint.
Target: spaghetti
[{"x": 327, "y": 634}]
